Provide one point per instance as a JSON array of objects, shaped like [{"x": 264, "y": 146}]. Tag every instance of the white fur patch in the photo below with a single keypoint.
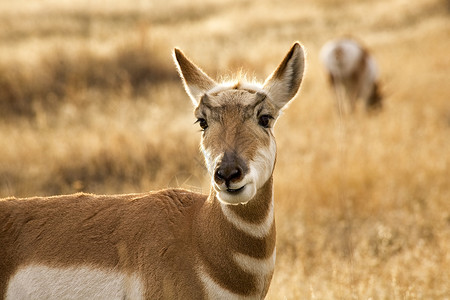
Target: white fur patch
[
  {"x": 242, "y": 85},
  {"x": 256, "y": 266},
  {"x": 210, "y": 161},
  {"x": 223, "y": 86},
  {"x": 261, "y": 166},
  {"x": 259, "y": 230},
  {"x": 42, "y": 282},
  {"x": 246, "y": 194},
  {"x": 252, "y": 86}
]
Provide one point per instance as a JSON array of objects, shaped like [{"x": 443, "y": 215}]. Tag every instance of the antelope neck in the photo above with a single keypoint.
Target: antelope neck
[{"x": 237, "y": 243}]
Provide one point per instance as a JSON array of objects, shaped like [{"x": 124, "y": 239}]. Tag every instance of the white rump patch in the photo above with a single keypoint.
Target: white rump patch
[
  {"x": 42, "y": 282},
  {"x": 346, "y": 62}
]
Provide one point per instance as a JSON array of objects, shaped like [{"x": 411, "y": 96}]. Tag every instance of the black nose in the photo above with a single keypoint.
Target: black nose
[
  {"x": 232, "y": 168},
  {"x": 228, "y": 174}
]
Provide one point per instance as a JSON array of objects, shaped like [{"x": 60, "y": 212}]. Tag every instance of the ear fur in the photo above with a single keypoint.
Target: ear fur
[
  {"x": 195, "y": 81},
  {"x": 284, "y": 82}
]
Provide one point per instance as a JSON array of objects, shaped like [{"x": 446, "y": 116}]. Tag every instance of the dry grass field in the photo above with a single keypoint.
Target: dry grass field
[{"x": 90, "y": 101}]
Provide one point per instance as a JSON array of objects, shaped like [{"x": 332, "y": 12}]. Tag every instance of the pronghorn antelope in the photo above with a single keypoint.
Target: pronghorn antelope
[
  {"x": 170, "y": 244},
  {"x": 352, "y": 73}
]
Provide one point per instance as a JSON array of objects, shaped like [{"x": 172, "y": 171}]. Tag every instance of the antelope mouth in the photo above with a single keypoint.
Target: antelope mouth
[
  {"x": 234, "y": 196},
  {"x": 235, "y": 191}
]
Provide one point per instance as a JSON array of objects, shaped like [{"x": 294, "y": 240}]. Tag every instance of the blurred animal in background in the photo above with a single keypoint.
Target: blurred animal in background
[{"x": 352, "y": 74}]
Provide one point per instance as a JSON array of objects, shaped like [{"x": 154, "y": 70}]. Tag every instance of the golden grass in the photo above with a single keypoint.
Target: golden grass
[{"x": 89, "y": 101}]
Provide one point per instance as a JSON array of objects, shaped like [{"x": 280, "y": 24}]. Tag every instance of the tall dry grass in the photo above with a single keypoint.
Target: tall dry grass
[{"x": 89, "y": 100}]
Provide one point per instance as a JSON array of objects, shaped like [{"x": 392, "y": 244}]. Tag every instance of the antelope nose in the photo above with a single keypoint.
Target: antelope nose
[{"x": 228, "y": 174}]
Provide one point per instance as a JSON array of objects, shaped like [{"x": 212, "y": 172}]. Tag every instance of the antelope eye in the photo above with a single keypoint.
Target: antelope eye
[
  {"x": 264, "y": 120},
  {"x": 202, "y": 122}
]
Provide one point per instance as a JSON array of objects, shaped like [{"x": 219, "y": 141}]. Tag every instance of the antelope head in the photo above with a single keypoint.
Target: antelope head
[{"x": 237, "y": 120}]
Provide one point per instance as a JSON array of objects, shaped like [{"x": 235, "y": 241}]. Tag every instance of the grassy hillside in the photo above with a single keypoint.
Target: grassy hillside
[{"x": 90, "y": 101}]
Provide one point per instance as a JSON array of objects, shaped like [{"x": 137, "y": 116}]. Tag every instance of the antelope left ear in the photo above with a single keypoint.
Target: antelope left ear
[{"x": 284, "y": 82}]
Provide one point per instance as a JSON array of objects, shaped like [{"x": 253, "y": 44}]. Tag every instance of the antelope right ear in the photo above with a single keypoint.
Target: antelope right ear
[{"x": 195, "y": 81}]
